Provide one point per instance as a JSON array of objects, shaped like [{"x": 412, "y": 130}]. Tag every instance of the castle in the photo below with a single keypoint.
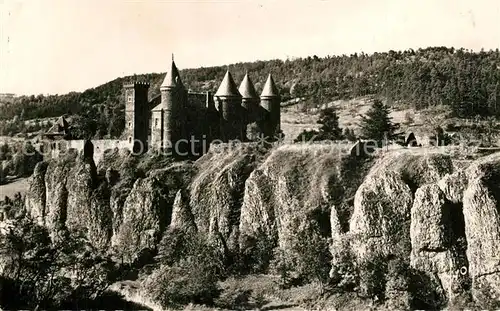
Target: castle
[
  {"x": 179, "y": 118},
  {"x": 185, "y": 122}
]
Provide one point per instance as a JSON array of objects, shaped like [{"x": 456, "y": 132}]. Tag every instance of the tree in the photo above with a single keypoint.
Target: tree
[
  {"x": 329, "y": 121},
  {"x": 43, "y": 272},
  {"x": 377, "y": 125}
]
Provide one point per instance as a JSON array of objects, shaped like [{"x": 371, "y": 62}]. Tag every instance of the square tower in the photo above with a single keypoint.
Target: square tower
[{"x": 136, "y": 116}]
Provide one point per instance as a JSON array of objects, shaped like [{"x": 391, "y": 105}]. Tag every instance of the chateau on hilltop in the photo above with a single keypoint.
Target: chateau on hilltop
[
  {"x": 180, "y": 118},
  {"x": 181, "y": 121}
]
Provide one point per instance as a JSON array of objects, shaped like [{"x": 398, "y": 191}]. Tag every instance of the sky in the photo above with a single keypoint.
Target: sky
[{"x": 58, "y": 46}]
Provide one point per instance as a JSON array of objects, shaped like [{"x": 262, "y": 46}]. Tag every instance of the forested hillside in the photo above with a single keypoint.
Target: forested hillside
[{"x": 468, "y": 82}]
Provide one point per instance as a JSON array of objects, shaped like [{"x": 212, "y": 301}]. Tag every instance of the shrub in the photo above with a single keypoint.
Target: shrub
[
  {"x": 307, "y": 260},
  {"x": 188, "y": 281},
  {"x": 344, "y": 273},
  {"x": 190, "y": 267},
  {"x": 234, "y": 299},
  {"x": 372, "y": 277},
  {"x": 257, "y": 252}
]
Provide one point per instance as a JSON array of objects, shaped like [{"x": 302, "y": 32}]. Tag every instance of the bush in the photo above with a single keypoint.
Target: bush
[
  {"x": 188, "y": 281},
  {"x": 234, "y": 299},
  {"x": 190, "y": 267},
  {"x": 441, "y": 138},
  {"x": 372, "y": 277},
  {"x": 344, "y": 273},
  {"x": 257, "y": 252},
  {"x": 307, "y": 260}
]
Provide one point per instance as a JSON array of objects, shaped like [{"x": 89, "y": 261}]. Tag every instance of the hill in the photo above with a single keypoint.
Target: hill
[{"x": 466, "y": 81}]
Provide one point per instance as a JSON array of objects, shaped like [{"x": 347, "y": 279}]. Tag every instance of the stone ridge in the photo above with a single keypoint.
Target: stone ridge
[{"x": 442, "y": 220}]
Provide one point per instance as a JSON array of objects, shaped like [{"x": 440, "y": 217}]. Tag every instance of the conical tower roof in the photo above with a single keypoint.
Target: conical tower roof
[
  {"x": 270, "y": 89},
  {"x": 247, "y": 90},
  {"x": 172, "y": 77},
  {"x": 228, "y": 88}
]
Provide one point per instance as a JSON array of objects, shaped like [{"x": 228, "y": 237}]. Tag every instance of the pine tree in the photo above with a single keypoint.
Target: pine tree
[
  {"x": 329, "y": 121},
  {"x": 377, "y": 125}
]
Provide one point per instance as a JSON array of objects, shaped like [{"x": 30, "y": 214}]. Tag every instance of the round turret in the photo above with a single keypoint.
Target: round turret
[
  {"x": 228, "y": 103},
  {"x": 168, "y": 116},
  {"x": 270, "y": 100},
  {"x": 250, "y": 100}
]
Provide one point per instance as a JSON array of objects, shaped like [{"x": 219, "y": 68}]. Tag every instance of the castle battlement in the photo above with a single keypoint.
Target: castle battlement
[{"x": 136, "y": 84}]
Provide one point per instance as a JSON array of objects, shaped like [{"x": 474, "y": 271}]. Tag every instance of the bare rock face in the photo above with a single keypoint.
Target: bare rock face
[
  {"x": 437, "y": 239},
  {"x": 380, "y": 226},
  {"x": 382, "y": 205},
  {"x": 80, "y": 185},
  {"x": 429, "y": 220},
  {"x": 481, "y": 208},
  {"x": 299, "y": 188},
  {"x": 142, "y": 213},
  {"x": 454, "y": 185},
  {"x": 216, "y": 192},
  {"x": 182, "y": 218},
  {"x": 57, "y": 191},
  {"x": 36, "y": 195},
  {"x": 145, "y": 217},
  {"x": 402, "y": 208},
  {"x": 381, "y": 216}
]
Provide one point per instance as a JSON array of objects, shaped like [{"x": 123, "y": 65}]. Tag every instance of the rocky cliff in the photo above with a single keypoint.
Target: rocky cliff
[{"x": 435, "y": 214}]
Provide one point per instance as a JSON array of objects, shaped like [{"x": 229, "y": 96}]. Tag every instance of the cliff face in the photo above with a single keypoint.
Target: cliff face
[{"x": 412, "y": 205}]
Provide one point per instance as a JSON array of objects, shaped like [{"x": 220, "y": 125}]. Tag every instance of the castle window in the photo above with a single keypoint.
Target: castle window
[
  {"x": 129, "y": 99},
  {"x": 130, "y": 139},
  {"x": 130, "y": 125},
  {"x": 156, "y": 122}
]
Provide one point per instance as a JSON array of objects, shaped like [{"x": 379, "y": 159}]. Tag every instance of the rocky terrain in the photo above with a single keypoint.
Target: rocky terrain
[{"x": 423, "y": 208}]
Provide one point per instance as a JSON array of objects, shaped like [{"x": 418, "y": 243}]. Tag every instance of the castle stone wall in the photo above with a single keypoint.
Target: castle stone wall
[{"x": 55, "y": 149}]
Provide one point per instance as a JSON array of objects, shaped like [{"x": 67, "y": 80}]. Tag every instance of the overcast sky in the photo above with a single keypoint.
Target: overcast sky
[{"x": 57, "y": 46}]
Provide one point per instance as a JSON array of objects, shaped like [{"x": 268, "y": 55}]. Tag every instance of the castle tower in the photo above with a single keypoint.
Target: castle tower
[
  {"x": 270, "y": 100},
  {"x": 167, "y": 117},
  {"x": 137, "y": 116},
  {"x": 212, "y": 118},
  {"x": 250, "y": 101},
  {"x": 228, "y": 103}
]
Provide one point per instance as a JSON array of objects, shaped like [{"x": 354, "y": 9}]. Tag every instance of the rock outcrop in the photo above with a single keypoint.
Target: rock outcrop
[
  {"x": 36, "y": 196},
  {"x": 216, "y": 192},
  {"x": 410, "y": 208},
  {"x": 481, "y": 209}
]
